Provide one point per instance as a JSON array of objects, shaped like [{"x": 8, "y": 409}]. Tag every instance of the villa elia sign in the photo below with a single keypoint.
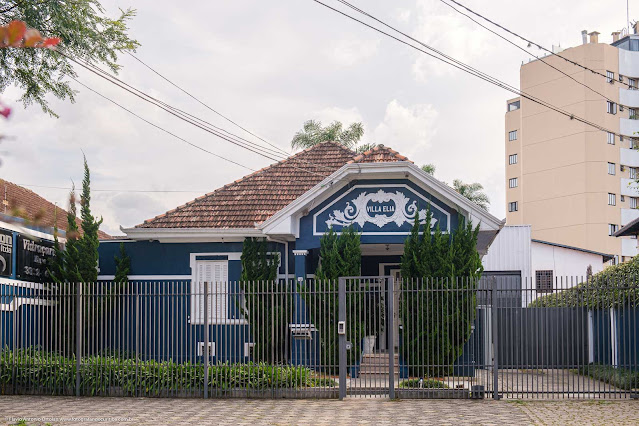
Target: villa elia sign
[{"x": 374, "y": 210}]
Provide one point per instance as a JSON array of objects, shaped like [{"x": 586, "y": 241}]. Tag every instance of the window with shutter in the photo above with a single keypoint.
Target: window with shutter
[{"x": 215, "y": 272}]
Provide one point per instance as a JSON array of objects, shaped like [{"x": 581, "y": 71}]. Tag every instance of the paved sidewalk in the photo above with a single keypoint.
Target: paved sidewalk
[{"x": 40, "y": 410}]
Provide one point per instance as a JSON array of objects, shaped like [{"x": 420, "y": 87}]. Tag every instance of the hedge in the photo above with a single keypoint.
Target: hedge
[
  {"x": 426, "y": 384},
  {"x": 615, "y": 286},
  {"x": 54, "y": 374},
  {"x": 618, "y": 377}
]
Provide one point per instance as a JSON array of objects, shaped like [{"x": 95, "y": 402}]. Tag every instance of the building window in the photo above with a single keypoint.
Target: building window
[
  {"x": 614, "y": 261},
  {"x": 612, "y": 228},
  {"x": 544, "y": 280},
  {"x": 512, "y": 159},
  {"x": 610, "y": 76},
  {"x": 632, "y": 82},
  {"x": 611, "y": 168},
  {"x": 612, "y": 107},
  {"x": 633, "y": 202},
  {"x": 611, "y": 138},
  {"x": 632, "y": 113},
  {"x": 622, "y": 198},
  {"x": 612, "y": 199},
  {"x": 512, "y": 135},
  {"x": 632, "y": 172},
  {"x": 632, "y": 143},
  {"x": 215, "y": 272},
  {"x": 513, "y": 206},
  {"x": 512, "y": 183},
  {"x": 513, "y": 106}
]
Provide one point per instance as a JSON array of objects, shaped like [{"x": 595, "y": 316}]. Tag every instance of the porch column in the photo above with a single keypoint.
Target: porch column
[{"x": 300, "y": 264}]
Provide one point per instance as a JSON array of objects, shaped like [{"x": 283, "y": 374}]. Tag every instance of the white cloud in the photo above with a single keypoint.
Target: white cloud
[
  {"x": 443, "y": 29},
  {"x": 344, "y": 115},
  {"x": 409, "y": 129},
  {"x": 347, "y": 53},
  {"x": 403, "y": 15}
]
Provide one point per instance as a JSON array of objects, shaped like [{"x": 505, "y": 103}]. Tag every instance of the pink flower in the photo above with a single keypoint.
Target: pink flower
[{"x": 5, "y": 111}]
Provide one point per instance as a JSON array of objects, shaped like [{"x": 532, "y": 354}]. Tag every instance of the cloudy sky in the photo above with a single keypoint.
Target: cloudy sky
[{"x": 271, "y": 65}]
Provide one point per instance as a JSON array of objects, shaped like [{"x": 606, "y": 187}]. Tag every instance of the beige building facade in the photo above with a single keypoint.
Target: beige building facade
[{"x": 573, "y": 183}]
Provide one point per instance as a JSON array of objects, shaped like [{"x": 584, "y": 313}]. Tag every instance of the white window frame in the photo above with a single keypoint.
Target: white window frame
[
  {"x": 611, "y": 107},
  {"x": 218, "y": 292},
  {"x": 610, "y": 76},
  {"x": 612, "y": 228},
  {"x": 512, "y": 182},
  {"x": 611, "y": 138},
  {"x": 612, "y": 169},
  {"x": 512, "y": 159},
  {"x": 512, "y": 135},
  {"x": 513, "y": 206},
  {"x": 633, "y": 202},
  {"x": 612, "y": 199}
]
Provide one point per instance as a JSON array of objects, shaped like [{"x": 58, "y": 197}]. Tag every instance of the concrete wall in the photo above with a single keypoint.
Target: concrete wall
[{"x": 567, "y": 264}]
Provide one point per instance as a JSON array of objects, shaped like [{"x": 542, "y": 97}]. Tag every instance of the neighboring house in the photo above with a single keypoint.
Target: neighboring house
[
  {"x": 524, "y": 268},
  {"x": 27, "y": 224},
  {"x": 291, "y": 203},
  {"x": 574, "y": 185}
]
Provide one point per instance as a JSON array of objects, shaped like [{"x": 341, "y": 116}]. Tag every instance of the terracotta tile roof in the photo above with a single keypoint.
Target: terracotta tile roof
[
  {"x": 26, "y": 204},
  {"x": 260, "y": 195}
]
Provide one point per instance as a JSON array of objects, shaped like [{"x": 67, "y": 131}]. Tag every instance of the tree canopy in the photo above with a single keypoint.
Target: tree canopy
[
  {"x": 473, "y": 192},
  {"x": 314, "y": 133},
  {"x": 85, "y": 32}
]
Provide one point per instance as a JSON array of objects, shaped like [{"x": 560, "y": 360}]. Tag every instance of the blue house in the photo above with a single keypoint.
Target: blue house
[{"x": 292, "y": 204}]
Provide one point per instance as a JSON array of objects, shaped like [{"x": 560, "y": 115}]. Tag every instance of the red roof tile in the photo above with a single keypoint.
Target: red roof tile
[
  {"x": 26, "y": 204},
  {"x": 260, "y": 195}
]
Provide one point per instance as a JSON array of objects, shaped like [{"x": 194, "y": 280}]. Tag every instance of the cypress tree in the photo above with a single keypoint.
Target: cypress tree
[
  {"x": 122, "y": 266},
  {"x": 89, "y": 242},
  {"x": 72, "y": 253}
]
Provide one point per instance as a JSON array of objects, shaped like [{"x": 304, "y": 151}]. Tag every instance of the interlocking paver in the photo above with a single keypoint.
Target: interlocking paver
[{"x": 147, "y": 411}]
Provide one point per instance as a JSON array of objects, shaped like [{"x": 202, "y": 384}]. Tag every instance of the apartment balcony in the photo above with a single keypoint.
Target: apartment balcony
[
  {"x": 628, "y": 127},
  {"x": 629, "y": 97},
  {"x": 628, "y": 215},
  {"x": 629, "y": 247},
  {"x": 629, "y": 187},
  {"x": 629, "y": 157}
]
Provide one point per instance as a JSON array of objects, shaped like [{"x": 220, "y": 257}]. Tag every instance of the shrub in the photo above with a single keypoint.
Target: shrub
[
  {"x": 54, "y": 374},
  {"x": 613, "y": 287},
  {"x": 618, "y": 377},
  {"x": 426, "y": 384}
]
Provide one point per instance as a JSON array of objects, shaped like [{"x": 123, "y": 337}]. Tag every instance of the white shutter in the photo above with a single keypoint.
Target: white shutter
[{"x": 214, "y": 272}]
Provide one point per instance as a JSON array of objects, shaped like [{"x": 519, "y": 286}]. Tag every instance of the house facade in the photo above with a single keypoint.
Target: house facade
[{"x": 292, "y": 204}]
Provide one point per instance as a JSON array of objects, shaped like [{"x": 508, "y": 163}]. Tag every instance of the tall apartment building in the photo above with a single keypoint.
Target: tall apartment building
[{"x": 573, "y": 183}]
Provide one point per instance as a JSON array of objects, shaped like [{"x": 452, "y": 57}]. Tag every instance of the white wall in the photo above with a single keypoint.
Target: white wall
[{"x": 569, "y": 265}]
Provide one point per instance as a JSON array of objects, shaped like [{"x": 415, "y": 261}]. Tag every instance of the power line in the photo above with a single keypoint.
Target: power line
[
  {"x": 205, "y": 105},
  {"x": 533, "y": 43},
  {"x": 524, "y": 50},
  {"x": 456, "y": 63},
  {"x": 265, "y": 152},
  {"x": 114, "y": 190},
  {"x": 160, "y": 128}
]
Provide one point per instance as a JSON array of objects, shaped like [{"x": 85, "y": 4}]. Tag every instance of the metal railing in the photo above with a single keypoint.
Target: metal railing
[{"x": 353, "y": 337}]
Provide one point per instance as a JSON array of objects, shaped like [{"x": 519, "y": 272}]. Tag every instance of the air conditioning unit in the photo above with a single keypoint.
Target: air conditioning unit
[{"x": 200, "y": 349}]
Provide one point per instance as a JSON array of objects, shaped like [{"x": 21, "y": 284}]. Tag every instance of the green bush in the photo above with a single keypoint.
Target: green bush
[
  {"x": 613, "y": 287},
  {"x": 53, "y": 374},
  {"x": 618, "y": 377},
  {"x": 427, "y": 384}
]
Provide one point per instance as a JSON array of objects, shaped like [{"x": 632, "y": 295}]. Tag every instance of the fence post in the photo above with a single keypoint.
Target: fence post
[
  {"x": 342, "y": 338},
  {"x": 78, "y": 336},
  {"x": 206, "y": 340},
  {"x": 493, "y": 320},
  {"x": 137, "y": 339},
  {"x": 390, "y": 326}
]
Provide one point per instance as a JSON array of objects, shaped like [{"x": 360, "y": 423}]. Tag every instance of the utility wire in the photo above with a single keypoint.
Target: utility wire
[
  {"x": 456, "y": 63},
  {"x": 524, "y": 50},
  {"x": 160, "y": 128},
  {"x": 251, "y": 146},
  {"x": 114, "y": 190},
  {"x": 205, "y": 105},
  {"x": 533, "y": 43}
]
